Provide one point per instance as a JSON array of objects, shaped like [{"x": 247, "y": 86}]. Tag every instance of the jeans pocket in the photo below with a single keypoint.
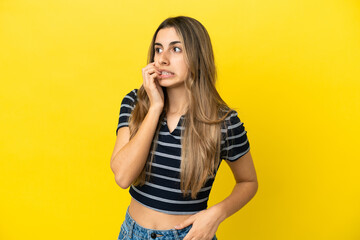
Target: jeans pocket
[{"x": 123, "y": 232}]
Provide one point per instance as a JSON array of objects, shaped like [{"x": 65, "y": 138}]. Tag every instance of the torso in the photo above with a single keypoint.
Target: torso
[{"x": 149, "y": 218}]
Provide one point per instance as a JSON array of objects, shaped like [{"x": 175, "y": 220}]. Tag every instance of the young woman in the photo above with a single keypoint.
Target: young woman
[{"x": 172, "y": 134}]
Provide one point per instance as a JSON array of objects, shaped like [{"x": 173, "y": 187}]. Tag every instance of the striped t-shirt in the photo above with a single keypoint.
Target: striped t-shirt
[{"x": 162, "y": 193}]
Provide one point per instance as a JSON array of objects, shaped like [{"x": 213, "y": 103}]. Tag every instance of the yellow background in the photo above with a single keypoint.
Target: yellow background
[{"x": 291, "y": 68}]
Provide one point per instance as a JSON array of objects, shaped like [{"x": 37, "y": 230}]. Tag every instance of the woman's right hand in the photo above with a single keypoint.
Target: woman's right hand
[{"x": 153, "y": 89}]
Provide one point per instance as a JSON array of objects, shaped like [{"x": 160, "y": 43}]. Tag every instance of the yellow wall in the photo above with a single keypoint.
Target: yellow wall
[{"x": 292, "y": 68}]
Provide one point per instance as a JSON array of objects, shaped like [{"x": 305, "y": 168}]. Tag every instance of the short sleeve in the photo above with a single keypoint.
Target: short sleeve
[
  {"x": 234, "y": 143},
  {"x": 127, "y": 105}
]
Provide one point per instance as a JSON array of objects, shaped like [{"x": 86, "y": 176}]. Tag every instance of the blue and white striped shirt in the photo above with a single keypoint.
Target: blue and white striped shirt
[{"x": 162, "y": 193}]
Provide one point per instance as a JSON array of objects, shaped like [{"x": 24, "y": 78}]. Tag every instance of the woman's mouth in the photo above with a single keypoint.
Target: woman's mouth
[{"x": 165, "y": 74}]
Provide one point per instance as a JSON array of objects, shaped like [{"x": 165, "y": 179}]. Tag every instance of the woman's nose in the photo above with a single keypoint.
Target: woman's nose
[{"x": 163, "y": 59}]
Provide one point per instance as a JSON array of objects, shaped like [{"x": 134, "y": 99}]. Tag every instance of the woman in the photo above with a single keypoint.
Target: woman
[{"x": 172, "y": 134}]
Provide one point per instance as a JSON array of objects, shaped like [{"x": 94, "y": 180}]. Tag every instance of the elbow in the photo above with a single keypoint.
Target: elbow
[
  {"x": 119, "y": 177},
  {"x": 256, "y": 187},
  {"x": 122, "y": 183}
]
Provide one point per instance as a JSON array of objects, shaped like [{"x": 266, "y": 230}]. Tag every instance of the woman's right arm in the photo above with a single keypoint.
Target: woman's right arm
[{"x": 129, "y": 156}]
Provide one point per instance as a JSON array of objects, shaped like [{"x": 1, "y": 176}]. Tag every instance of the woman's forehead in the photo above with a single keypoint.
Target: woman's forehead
[{"x": 167, "y": 35}]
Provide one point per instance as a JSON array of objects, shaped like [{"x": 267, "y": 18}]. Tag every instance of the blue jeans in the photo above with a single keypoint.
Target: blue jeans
[{"x": 131, "y": 230}]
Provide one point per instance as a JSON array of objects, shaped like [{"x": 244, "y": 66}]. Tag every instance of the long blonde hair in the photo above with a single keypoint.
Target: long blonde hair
[{"x": 201, "y": 137}]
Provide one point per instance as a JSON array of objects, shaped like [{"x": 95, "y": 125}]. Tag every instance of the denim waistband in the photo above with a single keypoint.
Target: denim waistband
[{"x": 134, "y": 230}]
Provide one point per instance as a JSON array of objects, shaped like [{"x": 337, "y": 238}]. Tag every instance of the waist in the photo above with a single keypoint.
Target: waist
[{"x": 149, "y": 218}]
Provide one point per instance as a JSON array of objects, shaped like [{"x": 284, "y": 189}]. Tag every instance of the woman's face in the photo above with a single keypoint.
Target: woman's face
[{"x": 170, "y": 58}]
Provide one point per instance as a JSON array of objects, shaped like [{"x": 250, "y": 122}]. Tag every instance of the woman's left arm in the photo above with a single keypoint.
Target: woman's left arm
[{"x": 206, "y": 222}]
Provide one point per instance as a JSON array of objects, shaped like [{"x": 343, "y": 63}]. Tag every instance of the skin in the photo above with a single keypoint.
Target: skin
[{"x": 170, "y": 57}]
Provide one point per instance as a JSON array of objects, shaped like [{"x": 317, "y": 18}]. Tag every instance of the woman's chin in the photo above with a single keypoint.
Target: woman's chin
[
  {"x": 165, "y": 82},
  {"x": 170, "y": 84}
]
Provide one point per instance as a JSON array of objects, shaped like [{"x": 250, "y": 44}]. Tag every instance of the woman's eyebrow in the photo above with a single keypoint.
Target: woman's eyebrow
[{"x": 172, "y": 43}]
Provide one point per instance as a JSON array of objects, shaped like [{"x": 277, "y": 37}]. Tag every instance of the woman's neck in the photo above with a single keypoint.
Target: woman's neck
[{"x": 177, "y": 101}]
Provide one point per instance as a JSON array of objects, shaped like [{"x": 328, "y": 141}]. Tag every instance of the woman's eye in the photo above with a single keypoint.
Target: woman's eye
[
  {"x": 177, "y": 49},
  {"x": 158, "y": 49}
]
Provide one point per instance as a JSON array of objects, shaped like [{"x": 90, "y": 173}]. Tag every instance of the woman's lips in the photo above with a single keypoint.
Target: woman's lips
[{"x": 166, "y": 74}]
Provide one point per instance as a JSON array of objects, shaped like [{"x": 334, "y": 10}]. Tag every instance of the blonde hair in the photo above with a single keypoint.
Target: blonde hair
[{"x": 201, "y": 137}]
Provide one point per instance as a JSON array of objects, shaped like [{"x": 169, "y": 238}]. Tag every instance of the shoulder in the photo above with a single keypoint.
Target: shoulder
[
  {"x": 234, "y": 142},
  {"x": 232, "y": 127},
  {"x": 130, "y": 98},
  {"x": 232, "y": 120},
  {"x": 132, "y": 95}
]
